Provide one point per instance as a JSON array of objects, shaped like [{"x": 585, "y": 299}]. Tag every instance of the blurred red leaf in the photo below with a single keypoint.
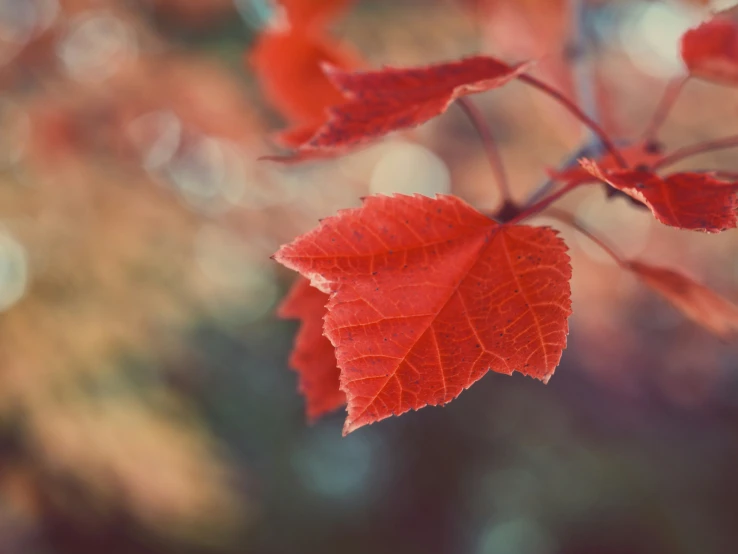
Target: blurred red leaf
[
  {"x": 306, "y": 13},
  {"x": 391, "y": 99},
  {"x": 695, "y": 301},
  {"x": 531, "y": 29},
  {"x": 710, "y": 51},
  {"x": 312, "y": 356},
  {"x": 693, "y": 201},
  {"x": 427, "y": 295},
  {"x": 287, "y": 64}
]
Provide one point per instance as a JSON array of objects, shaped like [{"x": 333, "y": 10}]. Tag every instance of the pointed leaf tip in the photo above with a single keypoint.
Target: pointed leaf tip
[
  {"x": 705, "y": 307},
  {"x": 380, "y": 102}
]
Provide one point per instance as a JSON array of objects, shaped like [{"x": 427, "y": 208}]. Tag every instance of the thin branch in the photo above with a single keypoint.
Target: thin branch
[
  {"x": 579, "y": 114},
  {"x": 584, "y": 82},
  {"x": 490, "y": 145},
  {"x": 669, "y": 98},
  {"x": 544, "y": 203},
  {"x": 582, "y": 67},
  {"x": 573, "y": 222},
  {"x": 591, "y": 150},
  {"x": 695, "y": 149}
]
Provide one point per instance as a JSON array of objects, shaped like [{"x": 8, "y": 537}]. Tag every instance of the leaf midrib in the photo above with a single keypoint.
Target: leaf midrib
[{"x": 486, "y": 240}]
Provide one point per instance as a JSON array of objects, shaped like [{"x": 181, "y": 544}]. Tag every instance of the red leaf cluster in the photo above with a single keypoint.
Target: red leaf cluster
[
  {"x": 414, "y": 299},
  {"x": 427, "y": 295}
]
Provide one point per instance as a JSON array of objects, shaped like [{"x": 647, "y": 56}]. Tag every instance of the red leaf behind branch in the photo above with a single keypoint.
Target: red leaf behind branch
[
  {"x": 697, "y": 302},
  {"x": 313, "y": 356},
  {"x": 391, "y": 99},
  {"x": 710, "y": 51},
  {"x": 427, "y": 295},
  {"x": 287, "y": 63},
  {"x": 640, "y": 155},
  {"x": 693, "y": 201}
]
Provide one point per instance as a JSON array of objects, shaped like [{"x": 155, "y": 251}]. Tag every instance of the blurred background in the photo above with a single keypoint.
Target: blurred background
[{"x": 146, "y": 403}]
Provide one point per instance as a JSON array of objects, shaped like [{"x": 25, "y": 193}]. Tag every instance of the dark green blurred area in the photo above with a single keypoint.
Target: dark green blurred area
[{"x": 146, "y": 403}]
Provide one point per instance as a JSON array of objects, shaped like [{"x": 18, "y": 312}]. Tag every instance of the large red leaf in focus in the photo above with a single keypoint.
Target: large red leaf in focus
[
  {"x": 700, "y": 304},
  {"x": 313, "y": 354},
  {"x": 287, "y": 64},
  {"x": 391, "y": 99},
  {"x": 710, "y": 51},
  {"x": 427, "y": 295},
  {"x": 313, "y": 13},
  {"x": 693, "y": 201}
]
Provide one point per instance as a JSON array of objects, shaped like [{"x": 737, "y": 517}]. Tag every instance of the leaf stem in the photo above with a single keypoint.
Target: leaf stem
[
  {"x": 589, "y": 150},
  {"x": 581, "y": 66},
  {"x": 579, "y": 114},
  {"x": 544, "y": 203},
  {"x": 490, "y": 145},
  {"x": 694, "y": 149},
  {"x": 573, "y": 222},
  {"x": 665, "y": 105}
]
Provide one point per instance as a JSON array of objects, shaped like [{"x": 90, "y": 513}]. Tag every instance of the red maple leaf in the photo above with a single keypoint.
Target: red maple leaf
[
  {"x": 695, "y": 201},
  {"x": 312, "y": 356},
  {"x": 380, "y": 102},
  {"x": 313, "y": 13},
  {"x": 700, "y": 304},
  {"x": 287, "y": 64},
  {"x": 710, "y": 51},
  {"x": 427, "y": 295}
]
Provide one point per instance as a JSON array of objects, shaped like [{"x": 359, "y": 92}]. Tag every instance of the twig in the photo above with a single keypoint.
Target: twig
[
  {"x": 544, "y": 203},
  {"x": 489, "y": 143},
  {"x": 590, "y": 150},
  {"x": 573, "y": 222},
  {"x": 695, "y": 149},
  {"x": 669, "y": 98},
  {"x": 579, "y": 114}
]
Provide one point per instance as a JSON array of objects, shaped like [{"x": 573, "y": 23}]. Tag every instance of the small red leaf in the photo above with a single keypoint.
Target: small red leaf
[
  {"x": 693, "y": 201},
  {"x": 313, "y": 356},
  {"x": 427, "y": 295},
  {"x": 287, "y": 64},
  {"x": 695, "y": 301},
  {"x": 640, "y": 155},
  {"x": 710, "y": 51},
  {"x": 391, "y": 99}
]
